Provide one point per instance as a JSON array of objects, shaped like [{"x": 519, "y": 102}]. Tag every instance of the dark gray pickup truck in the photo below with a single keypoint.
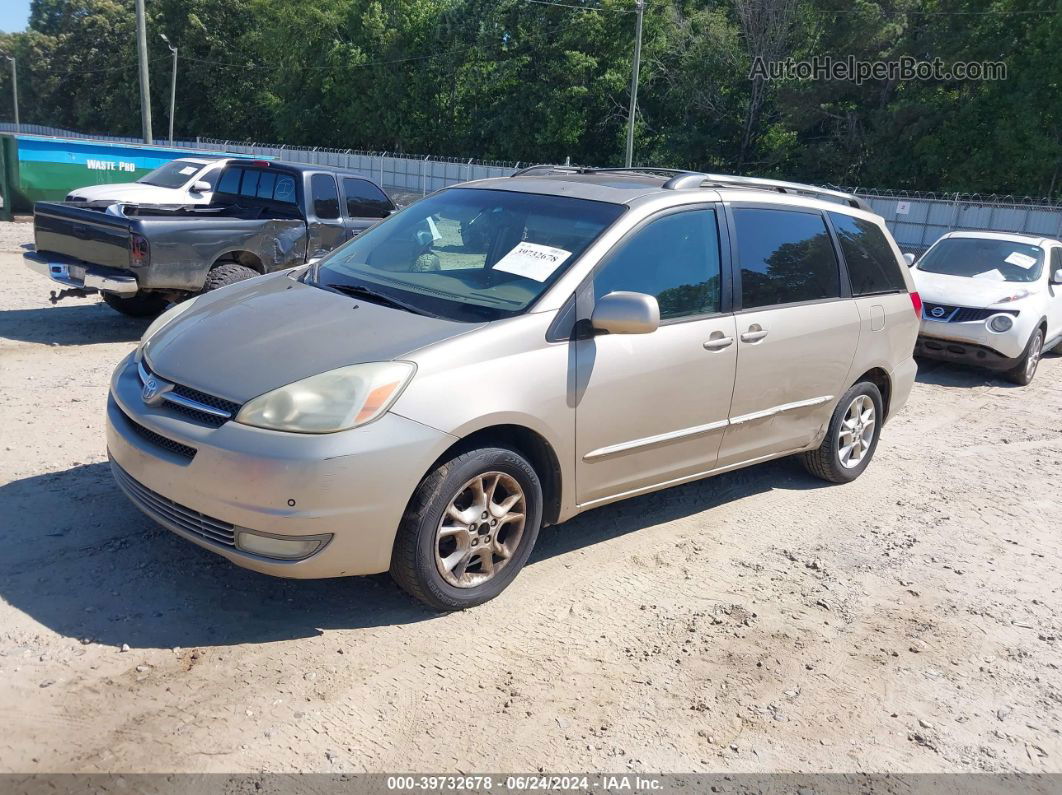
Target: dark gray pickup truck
[{"x": 265, "y": 216}]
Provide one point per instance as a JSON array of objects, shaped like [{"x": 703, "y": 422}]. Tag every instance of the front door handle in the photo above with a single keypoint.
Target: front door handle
[
  {"x": 718, "y": 343},
  {"x": 754, "y": 334}
]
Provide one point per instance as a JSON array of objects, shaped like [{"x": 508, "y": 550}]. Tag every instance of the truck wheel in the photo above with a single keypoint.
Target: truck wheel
[
  {"x": 469, "y": 529},
  {"x": 139, "y": 305},
  {"x": 225, "y": 274},
  {"x": 1024, "y": 372},
  {"x": 852, "y": 436}
]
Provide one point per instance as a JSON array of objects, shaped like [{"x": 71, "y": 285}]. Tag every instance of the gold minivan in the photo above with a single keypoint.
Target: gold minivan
[{"x": 508, "y": 353}]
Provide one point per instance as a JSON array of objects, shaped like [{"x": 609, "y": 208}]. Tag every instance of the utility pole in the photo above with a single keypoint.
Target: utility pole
[
  {"x": 173, "y": 83},
  {"x": 141, "y": 50},
  {"x": 14, "y": 86},
  {"x": 639, "y": 8}
]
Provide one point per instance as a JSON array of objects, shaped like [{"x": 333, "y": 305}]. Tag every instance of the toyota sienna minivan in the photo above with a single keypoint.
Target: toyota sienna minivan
[{"x": 508, "y": 353}]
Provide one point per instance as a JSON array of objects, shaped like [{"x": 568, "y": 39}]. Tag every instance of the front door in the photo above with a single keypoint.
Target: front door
[
  {"x": 325, "y": 229},
  {"x": 797, "y": 332},
  {"x": 651, "y": 408}
]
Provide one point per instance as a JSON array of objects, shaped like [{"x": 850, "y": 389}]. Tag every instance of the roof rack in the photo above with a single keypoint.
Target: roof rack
[
  {"x": 665, "y": 172},
  {"x": 696, "y": 180}
]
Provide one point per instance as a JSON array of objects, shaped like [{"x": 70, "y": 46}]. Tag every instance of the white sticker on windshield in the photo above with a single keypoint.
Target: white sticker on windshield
[
  {"x": 995, "y": 275},
  {"x": 532, "y": 261},
  {"x": 1021, "y": 260},
  {"x": 188, "y": 170}
]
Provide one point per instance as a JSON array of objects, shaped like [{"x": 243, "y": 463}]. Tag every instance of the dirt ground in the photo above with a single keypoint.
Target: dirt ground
[{"x": 761, "y": 621}]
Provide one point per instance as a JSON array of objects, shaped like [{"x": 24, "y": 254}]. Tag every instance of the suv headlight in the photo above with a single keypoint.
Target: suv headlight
[
  {"x": 1000, "y": 323},
  {"x": 332, "y": 401},
  {"x": 164, "y": 319}
]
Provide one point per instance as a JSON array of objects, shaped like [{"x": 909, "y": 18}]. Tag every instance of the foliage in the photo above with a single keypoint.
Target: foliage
[{"x": 530, "y": 81}]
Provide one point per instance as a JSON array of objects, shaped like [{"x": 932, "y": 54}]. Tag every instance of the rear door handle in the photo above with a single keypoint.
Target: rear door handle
[
  {"x": 718, "y": 343},
  {"x": 753, "y": 336}
]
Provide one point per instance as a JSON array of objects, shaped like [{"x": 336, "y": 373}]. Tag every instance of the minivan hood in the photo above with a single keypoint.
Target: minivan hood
[
  {"x": 939, "y": 288},
  {"x": 248, "y": 339}
]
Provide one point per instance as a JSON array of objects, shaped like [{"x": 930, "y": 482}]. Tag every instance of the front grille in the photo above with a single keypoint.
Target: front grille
[
  {"x": 962, "y": 314},
  {"x": 195, "y": 396},
  {"x": 182, "y": 450},
  {"x": 167, "y": 512}
]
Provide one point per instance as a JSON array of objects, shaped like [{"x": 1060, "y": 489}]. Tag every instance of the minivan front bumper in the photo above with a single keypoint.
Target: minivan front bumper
[{"x": 347, "y": 489}]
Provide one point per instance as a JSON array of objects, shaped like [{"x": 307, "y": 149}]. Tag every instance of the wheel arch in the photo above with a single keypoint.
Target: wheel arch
[
  {"x": 241, "y": 257},
  {"x": 529, "y": 443},
  {"x": 879, "y": 377}
]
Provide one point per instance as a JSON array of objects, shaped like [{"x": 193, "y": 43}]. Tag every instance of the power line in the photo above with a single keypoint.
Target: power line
[{"x": 582, "y": 8}]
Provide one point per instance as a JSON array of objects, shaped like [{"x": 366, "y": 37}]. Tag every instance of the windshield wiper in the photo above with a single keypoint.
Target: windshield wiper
[{"x": 361, "y": 291}]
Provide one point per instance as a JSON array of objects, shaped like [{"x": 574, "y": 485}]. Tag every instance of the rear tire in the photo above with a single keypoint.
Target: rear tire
[
  {"x": 227, "y": 273},
  {"x": 139, "y": 305},
  {"x": 852, "y": 436},
  {"x": 459, "y": 545},
  {"x": 1024, "y": 373}
]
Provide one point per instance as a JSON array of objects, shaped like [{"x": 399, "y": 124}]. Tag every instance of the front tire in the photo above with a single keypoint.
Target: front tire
[
  {"x": 1024, "y": 373},
  {"x": 139, "y": 305},
  {"x": 852, "y": 436},
  {"x": 469, "y": 529}
]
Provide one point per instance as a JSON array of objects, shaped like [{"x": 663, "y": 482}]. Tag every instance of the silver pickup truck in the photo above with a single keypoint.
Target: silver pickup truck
[{"x": 264, "y": 216}]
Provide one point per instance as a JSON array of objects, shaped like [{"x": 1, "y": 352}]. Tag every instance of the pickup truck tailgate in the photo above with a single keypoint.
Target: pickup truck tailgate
[{"x": 89, "y": 235}]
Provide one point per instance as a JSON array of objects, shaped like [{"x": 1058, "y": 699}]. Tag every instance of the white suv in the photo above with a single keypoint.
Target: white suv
[{"x": 991, "y": 299}]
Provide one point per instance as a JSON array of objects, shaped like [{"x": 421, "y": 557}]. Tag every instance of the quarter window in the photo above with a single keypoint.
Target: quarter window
[
  {"x": 872, "y": 265},
  {"x": 365, "y": 200},
  {"x": 675, "y": 259},
  {"x": 325, "y": 196},
  {"x": 784, "y": 257}
]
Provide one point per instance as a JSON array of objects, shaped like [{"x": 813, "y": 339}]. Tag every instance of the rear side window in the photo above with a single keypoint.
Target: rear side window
[
  {"x": 325, "y": 196},
  {"x": 872, "y": 266},
  {"x": 675, "y": 259},
  {"x": 257, "y": 183},
  {"x": 784, "y": 257},
  {"x": 365, "y": 200}
]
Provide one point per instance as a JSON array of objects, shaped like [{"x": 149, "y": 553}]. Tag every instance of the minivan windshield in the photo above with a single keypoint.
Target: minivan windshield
[
  {"x": 984, "y": 258},
  {"x": 171, "y": 175},
  {"x": 467, "y": 254}
]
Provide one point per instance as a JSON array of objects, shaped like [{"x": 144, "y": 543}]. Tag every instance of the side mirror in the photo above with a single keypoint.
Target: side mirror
[
  {"x": 909, "y": 258},
  {"x": 1056, "y": 277},
  {"x": 201, "y": 186},
  {"x": 626, "y": 313}
]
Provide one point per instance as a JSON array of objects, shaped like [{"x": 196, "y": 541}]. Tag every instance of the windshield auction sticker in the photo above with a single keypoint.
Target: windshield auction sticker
[
  {"x": 532, "y": 261},
  {"x": 1021, "y": 260}
]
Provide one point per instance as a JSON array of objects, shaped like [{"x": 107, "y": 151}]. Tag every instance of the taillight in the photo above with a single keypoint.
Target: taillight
[
  {"x": 916, "y": 302},
  {"x": 138, "y": 249}
]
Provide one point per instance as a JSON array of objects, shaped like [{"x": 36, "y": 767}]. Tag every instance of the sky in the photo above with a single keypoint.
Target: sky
[{"x": 14, "y": 14}]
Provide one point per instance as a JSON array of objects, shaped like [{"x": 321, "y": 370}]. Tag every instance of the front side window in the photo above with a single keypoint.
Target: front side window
[
  {"x": 365, "y": 200},
  {"x": 675, "y": 259},
  {"x": 785, "y": 257},
  {"x": 469, "y": 254},
  {"x": 984, "y": 258},
  {"x": 325, "y": 196},
  {"x": 872, "y": 265}
]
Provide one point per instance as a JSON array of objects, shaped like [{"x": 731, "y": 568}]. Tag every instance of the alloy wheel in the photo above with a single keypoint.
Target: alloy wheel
[
  {"x": 480, "y": 530},
  {"x": 856, "y": 432}
]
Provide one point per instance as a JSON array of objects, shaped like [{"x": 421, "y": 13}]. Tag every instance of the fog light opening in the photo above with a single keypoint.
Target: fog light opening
[
  {"x": 1000, "y": 323},
  {"x": 280, "y": 547}
]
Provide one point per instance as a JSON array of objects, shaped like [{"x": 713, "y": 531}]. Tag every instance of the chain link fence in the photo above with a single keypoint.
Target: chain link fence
[{"x": 916, "y": 219}]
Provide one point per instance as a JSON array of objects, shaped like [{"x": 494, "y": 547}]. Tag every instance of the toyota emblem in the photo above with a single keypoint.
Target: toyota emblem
[{"x": 151, "y": 390}]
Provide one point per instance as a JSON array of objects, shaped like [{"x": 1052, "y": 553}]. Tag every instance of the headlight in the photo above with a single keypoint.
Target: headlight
[
  {"x": 165, "y": 318},
  {"x": 1000, "y": 323},
  {"x": 332, "y": 401}
]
